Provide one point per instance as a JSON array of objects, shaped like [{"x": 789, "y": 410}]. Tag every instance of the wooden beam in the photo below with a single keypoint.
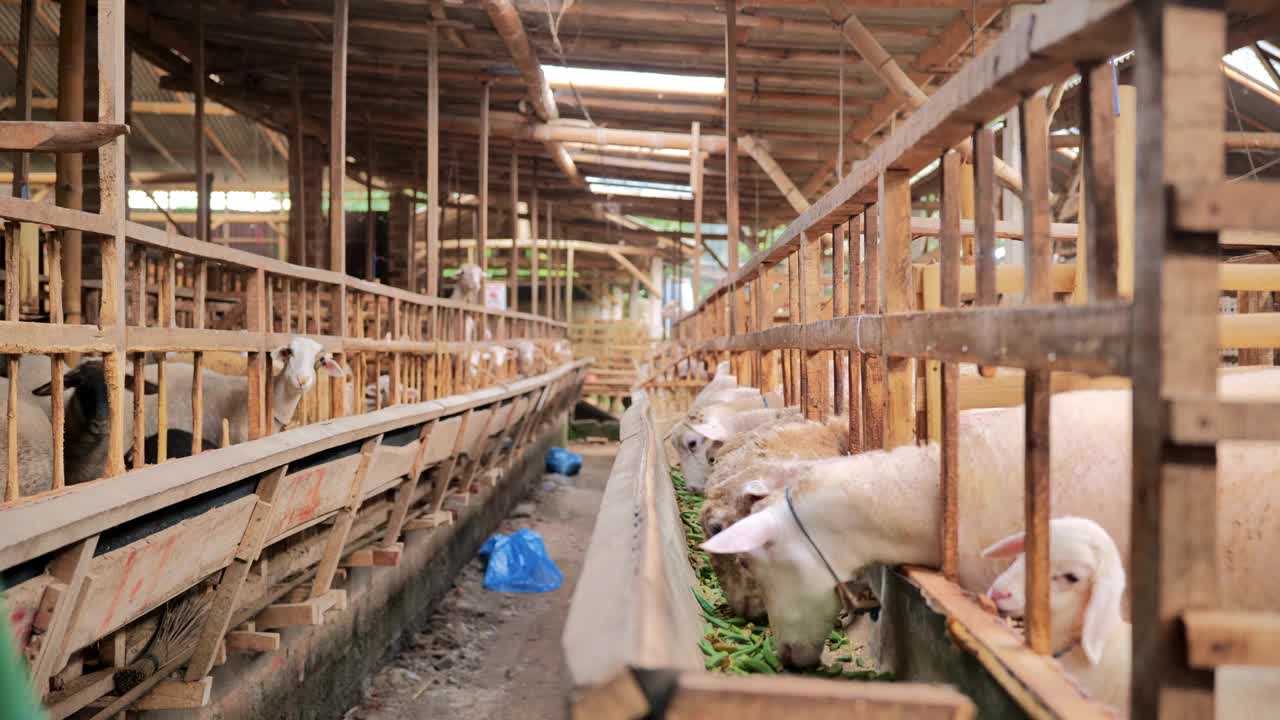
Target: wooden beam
[
  {"x": 775, "y": 173},
  {"x": 633, "y": 271},
  {"x": 226, "y": 153},
  {"x": 21, "y": 160},
  {"x": 433, "y": 164},
  {"x": 200, "y": 76},
  {"x": 226, "y": 598},
  {"x": 895, "y": 271},
  {"x": 337, "y": 539},
  {"x": 482, "y": 234},
  {"x": 338, "y": 141},
  {"x": 731, "y": 131},
  {"x": 695, "y": 184},
  {"x": 1224, "y": 637},
  {"x": 949, "y": 386}
]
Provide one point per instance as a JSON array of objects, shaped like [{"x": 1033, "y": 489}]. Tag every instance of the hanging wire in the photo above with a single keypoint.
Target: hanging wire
[{"x": 1231, "y": 95}]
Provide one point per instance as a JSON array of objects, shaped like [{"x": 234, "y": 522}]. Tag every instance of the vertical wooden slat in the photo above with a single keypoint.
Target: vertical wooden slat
[
  {"x": 950, "y": 249},
  {"x": 433, "y": 162},
  {"x": 895, "y": 209},
  {"x": 839, "y": 308},
  {"x": 1098, "y": 127},
  {"x": 338, "y": 140},
  {"x": 70, "y": 178},
  {"x": 984, "y": 221},
  {"x": 813, "y": 376},
  {"x": 341, "y": 529},
  {"x": 201, "y": 280},
  {"x": 513, "y": 278},
  {"x": 111, "y": 184},
  {"x": 568, "y": 286},
  {"x": 1179, "y": 48},
  {"x": 731, "y": 133},
  {"x": 298, "y": 190},
  {"x": 856, "y": 358},
  {"x": 22, "y": 97},
  {"x": 370, "y": 231},
  {"x": 12, "y": 486},
  {"x": 255, "y": 320},
  {"x": 482, "y": 237},
  {"x": 695, "y": 184},
  {"x": 533, "y": 234},
  {"x": 139, "y": 380},
  {"x": 1039, "y": 253},
  {"x": 199, "y": 78}
]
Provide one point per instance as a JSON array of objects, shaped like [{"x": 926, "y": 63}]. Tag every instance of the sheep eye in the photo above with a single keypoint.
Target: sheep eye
[
  {"x": 693, "y": 444},
  {"x": 1070, "y": 577},
  {"x": 715, "y": 529}
]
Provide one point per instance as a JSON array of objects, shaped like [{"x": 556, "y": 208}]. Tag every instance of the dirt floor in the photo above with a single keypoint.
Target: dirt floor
[{"x": 493, "y": 656}]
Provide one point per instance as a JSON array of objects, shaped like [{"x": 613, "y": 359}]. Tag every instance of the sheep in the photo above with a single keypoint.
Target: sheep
[
  {"x": 707, "y": 429},
  {"x": 751, "y": 467},
  {"x": 470, "y": 284},
  {"x": 224, "y": 397},
  {"x": 883, "y": 507},
  {"x": 88, "y": 420},
  {"x": 1086, "y": 590},
  {"x": 35, "y": 441},
  {"x": 178, "y": 444},
  {"x": 723, "y": 380}
]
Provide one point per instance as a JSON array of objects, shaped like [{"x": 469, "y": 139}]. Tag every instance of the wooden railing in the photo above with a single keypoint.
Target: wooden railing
[{"x": 858, "y": 354}]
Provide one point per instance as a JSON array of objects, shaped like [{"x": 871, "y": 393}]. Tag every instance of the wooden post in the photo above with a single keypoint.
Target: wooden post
[
  {"x": 839, "y": 308},
  {"x": 857, "y": 394},
  {"x": 111, "y": 184},
  {"x": 299, "y": 252},
  {"x": 482, "y": 213},
  {"x": 568, "y": 287},
  {"x": 199, "y": 75},
  {"x": 1098, "y": 127},
  {"x": 1038, "y": 246},
  {"x": 513, "y": 281},
  {"x": 370, "y": 235},
  {"x": 533, "y": 232},
  {"x": 70, "y": 166},
  {"x": 984, "y": 222},
  {"x": 695, "y": 183},
  {"x": 338, "y": 142},
  {"x": 337, "y": 538},
  {"x": 1173, "y": 563},
  {"x": 433, "y": 162},
  {"x": 950, "y": 250},
  {"x": 22, "y": 107},
  {"x": 895, "y": 209},
  {"x": 731, "y": 133}
]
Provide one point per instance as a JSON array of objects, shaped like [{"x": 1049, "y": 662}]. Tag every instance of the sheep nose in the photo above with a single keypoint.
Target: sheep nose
[{"x": 998, "y": 595}]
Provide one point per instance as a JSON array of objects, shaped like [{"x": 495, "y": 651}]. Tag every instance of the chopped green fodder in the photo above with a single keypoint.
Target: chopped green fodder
[{"x": 733, "y": 645}]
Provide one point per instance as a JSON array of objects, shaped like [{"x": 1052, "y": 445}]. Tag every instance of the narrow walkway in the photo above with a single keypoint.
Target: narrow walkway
[{"x": 489, "y": 656}]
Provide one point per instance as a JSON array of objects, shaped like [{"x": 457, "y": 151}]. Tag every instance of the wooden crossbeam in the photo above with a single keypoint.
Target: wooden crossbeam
[
  {"x": 634, "y": 272},
  {"x": 1229, "y": 637},
  {"x": 341, "y": 529},
  {"x": 226, "y": 597}
]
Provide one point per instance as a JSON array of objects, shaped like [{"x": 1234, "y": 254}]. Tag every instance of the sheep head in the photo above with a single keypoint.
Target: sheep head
[
  {"x": 1086, "y": 583},
  {"x": 298, "y": 362},
  {"x": 89, "y": 380},
  {"x": 798, "y": 591}
]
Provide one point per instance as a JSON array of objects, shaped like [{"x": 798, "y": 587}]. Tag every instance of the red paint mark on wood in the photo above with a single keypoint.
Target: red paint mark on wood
[
  {"x": 115, "y": 596},
  {"x": 20, "y": 624},
  {"x": 311, "y": 504}
]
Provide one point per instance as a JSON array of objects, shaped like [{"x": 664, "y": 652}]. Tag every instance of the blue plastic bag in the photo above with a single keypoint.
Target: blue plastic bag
[
  {"x": 562, "y": 461},
  {"x": 518, "y": 563}
]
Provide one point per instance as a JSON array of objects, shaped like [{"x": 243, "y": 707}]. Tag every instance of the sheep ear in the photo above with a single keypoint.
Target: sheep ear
[
  {"x": 711, "y": 429},
  {"x": 330, "y": 366},
  {"x": 756, "y": 489},
  {"x": 280, "y": 358},
  {"x": 749, "y": 533},
  {"x": 45, "y": 390},
  {"x": 1103, "y": 611},
  {"x": 1007, "y": 547}
]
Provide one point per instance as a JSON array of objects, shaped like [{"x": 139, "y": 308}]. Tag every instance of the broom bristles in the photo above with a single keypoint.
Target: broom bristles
[{"x": 178, "y": 626}]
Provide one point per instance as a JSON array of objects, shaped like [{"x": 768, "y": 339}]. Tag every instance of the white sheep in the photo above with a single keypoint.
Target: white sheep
[
  {"x": 706, "y": 430},
  {"x": 751, "y": 467},
  {"x": 470, "y": 284},
  {"x": 882, "y": 507},
  {"x": 1086, "y": 590}
]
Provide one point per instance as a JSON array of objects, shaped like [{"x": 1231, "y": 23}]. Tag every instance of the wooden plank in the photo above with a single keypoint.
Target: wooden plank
[
  {"x": 949, "y": 296},
  {"x": 429, "y": 521},
  {"x": 895, "y": 209},
  {"x": 1206, "y": 421},
  {"x": 407, "y": 490},
  {"x": 226, "y": 597},
  {"x": 175, "y": 695},
  {"x": 1225, "y": 637},
  {"x": 30, "y": 211},
  {"x": 70, "y": 567},
  {"x": 79, "y": 693},
  {"x": 57, "y": 137},
  {"x": 1035, "y": 682},
  {"x": 1099, "y": 182},
  {"x": 338, "y": 140},
  {"x": 1174, "y": 311},
  {"x": 1034, "y": 145},
  {"x": 873, "y": 389},
  {"x": 710, "y": 695},
  {"x": 288, "y": 615},
  {"x": 252, "y": 641},
  {"x": 857, "y": 394},
  {"x": 337, "y": 538}
]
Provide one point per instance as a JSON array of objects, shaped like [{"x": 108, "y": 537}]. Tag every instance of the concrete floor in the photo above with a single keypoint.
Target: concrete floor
[{"x": 492, "y": 656}]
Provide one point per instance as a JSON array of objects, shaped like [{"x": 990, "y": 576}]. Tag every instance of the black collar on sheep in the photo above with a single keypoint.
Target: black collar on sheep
[{"x": 850, "y": 603}]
